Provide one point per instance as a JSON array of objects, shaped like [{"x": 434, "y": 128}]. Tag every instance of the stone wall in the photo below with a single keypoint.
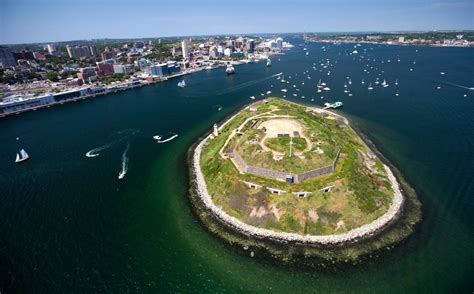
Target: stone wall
[{"x": 236, "y": 224}]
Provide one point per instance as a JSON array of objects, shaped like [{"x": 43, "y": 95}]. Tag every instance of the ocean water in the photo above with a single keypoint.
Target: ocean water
[{"x": 68, "y": 224}]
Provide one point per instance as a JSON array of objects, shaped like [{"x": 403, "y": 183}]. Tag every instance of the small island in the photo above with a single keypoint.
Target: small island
[{"x": 297, "y": 181}]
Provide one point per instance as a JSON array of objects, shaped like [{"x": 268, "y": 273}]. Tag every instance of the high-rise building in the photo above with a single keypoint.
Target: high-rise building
[
  {"x": 51, "y": 48},
  {"x": 279, "y": 42},
  {"x": 93, "y": 50},
  {"x": 185, "y": 49},
  {"x": 250, "y": 46},
  {"x": 6, "y": 57},
  {"x": 78, "y": 51}
]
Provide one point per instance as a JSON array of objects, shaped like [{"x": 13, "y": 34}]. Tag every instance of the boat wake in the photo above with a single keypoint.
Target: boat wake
[
  {"x": 159, "y": 138},
  {"x": 458, "y": 86},
  {"x": 124, "y": 170},
  {"x": 123, "y": 134},
  {"x": 246, "y": 84}
]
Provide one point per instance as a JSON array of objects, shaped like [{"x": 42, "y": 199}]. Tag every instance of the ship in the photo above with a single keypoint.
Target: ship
[
  {"x": 269, "y": 62},
  {"x": 182, "y": 84},
  {"x": 230, "y": 70},
  {"x": 21, "y": 156}
]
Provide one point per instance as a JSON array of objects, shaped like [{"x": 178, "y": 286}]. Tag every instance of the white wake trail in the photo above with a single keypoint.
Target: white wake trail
[{"x": 124, "y": 170}]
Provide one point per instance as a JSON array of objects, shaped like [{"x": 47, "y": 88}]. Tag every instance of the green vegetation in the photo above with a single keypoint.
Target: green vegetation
[{"x": 360, "y": 190}]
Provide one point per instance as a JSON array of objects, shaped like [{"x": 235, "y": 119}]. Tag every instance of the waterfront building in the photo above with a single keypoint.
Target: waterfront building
[
  {"x": 17, "y": 103},
  {"x": 67, "y": 95},
  {"x": 160, "y": 70},
  {"x": 6, "y": 57}
]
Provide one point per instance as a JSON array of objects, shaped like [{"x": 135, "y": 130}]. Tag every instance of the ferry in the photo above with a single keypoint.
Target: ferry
[{"x": 21, "y": 156}]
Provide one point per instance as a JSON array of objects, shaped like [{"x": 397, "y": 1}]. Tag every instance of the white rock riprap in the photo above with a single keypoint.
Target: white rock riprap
[{"x": 351, "y": 236}]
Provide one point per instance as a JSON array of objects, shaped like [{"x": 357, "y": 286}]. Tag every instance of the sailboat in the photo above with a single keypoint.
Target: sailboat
[
  {"x": 363, "y": 82},
  {"x": 350, "y": 82},
  {"x": 397, "y": 94},
  {"x": 396, "y": 82},
  {"x": 21, "y": 156},
  {"x": 370, "y": 87},
  {"x": 269, "y": 62},
  {"x": 182, "y": 84},
  {"x": 384, "y": 84}
]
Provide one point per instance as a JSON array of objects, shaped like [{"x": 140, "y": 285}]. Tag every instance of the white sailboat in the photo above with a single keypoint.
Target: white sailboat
[
  {"x": 269, "y": 62},
  {"x": 182, "y": 84},
  {"x": 396, "y": 82},
  {"x": 363, "y": 82},
  {"x": 21, "y": 156}
]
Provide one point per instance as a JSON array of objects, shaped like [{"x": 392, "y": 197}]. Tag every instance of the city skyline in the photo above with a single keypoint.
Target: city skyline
[{"x": 25, "y": 21}]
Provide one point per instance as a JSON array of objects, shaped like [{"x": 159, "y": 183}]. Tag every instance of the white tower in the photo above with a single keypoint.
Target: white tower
[{"x": 216, "y": 130}]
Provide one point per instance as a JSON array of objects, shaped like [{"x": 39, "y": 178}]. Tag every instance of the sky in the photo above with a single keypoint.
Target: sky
[{"x": 29, "y": 21}]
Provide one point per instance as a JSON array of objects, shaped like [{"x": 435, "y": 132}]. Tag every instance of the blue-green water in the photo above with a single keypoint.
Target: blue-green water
[{"x": 69, "y": 225}]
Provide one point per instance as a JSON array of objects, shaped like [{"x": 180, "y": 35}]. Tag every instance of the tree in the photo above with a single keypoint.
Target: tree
[{"x": 53, "y": 76}]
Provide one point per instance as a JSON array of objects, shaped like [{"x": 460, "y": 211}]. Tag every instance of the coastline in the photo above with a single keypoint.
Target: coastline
[
  {"x": 395, "y": 225},
  {"x": 3, "y": 115}
]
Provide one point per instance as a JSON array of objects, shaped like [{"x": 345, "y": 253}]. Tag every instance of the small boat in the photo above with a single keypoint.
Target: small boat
[
  {"x": 284, "y": 90},
  {"x": 269, "y": 92},
  {"x": 252, "y": 97},
  {"x": 269, "y": 62},
  {"x": 326, "y": 88},
  {"x": 396, "y": 82},
  {"x": 363, "y": 82},
  {"x": 230, "y": 70},
  {"x": 384, "y": 84},
  {"x": 397, "y": 94},
  {"x": 307, "y": 53},
  {"x": 182, "y": 84},
  {"x": 21, "y": 156},
  {"x": 370, "y": 87},
  {"x": 350, "y": 82}
]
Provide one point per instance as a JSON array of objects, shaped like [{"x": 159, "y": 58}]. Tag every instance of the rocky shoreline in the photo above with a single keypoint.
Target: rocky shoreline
[
  {"x": 395, "y": 225},
  {"x": 355, "y": 234}
]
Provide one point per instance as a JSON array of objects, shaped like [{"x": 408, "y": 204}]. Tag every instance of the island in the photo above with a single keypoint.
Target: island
[{"x": 293, "y": 181}]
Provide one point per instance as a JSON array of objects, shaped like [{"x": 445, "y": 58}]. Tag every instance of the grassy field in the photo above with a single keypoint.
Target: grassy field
[{"x": 361, "y": 191}]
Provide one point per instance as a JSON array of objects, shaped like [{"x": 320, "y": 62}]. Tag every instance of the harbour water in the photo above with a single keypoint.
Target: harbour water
[{"x": 69, "y": 225}]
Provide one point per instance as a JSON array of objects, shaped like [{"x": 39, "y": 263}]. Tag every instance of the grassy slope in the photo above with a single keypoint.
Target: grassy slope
[{"x": 359, "y": 196}]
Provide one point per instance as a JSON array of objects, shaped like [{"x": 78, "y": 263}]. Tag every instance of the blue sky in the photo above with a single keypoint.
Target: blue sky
[{"x": 25, "y": 21}]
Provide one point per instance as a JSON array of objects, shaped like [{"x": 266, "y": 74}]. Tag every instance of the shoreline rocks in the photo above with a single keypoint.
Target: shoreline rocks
[{"x": 353, "y": 235}]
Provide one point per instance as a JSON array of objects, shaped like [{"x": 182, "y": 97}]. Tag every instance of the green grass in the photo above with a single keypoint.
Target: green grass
[{"x": 360, "y": 196}]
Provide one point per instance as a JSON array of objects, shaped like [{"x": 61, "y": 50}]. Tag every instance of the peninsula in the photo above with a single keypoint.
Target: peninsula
[{"x": 278, "y": 175}]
